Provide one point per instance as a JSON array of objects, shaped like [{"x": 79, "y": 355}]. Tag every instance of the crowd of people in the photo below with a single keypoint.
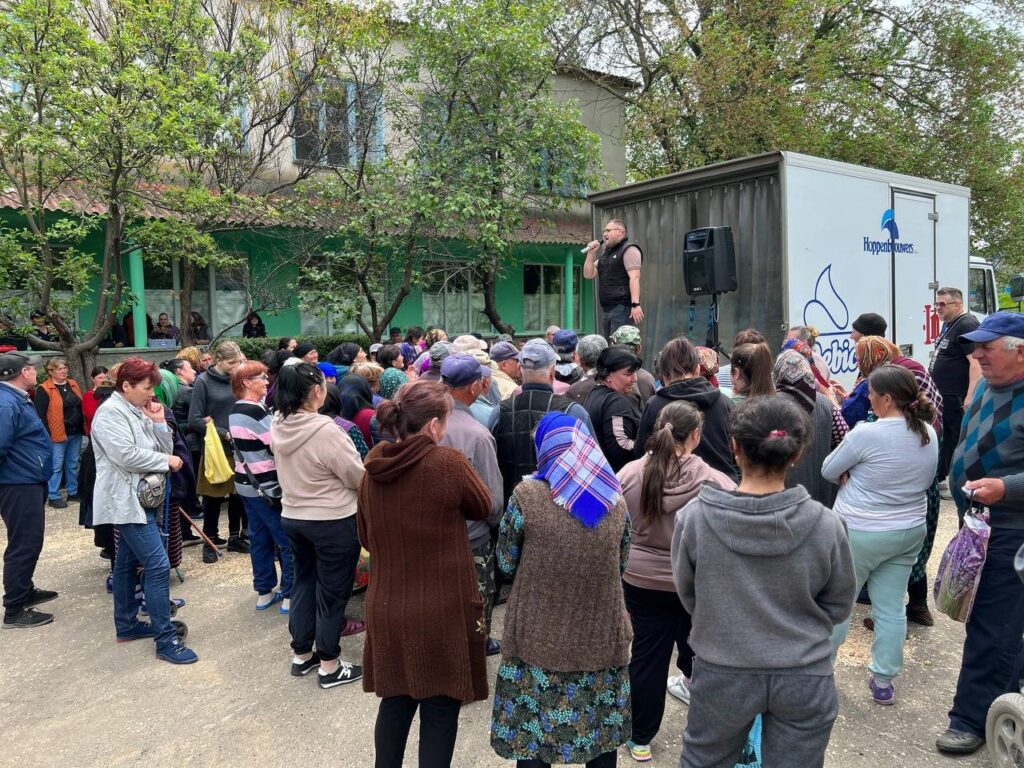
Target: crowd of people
[{"x": 686, "y": 529}]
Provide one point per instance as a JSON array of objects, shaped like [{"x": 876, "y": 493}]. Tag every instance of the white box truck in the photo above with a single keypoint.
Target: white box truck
[{"x": 817, "y": 242}]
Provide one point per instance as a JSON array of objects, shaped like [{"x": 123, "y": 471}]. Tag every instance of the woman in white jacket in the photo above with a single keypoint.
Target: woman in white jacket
[
  {"x": 885, "y": 468},
  {"x": 131, "y": 439}
]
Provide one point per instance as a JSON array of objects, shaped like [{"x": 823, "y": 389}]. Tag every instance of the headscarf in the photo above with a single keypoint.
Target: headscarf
[
  {"x": 804, "y": 350},
  {"x": 332, "y": 407},
  {"x": 167, "y": 389},
  {"x": 390, "y": 381},
  {"x": 344, "y": 354},
  {"x": 873, "y": 351},
  {"x": 708, "y": 364},
  {"x": 793, "y": 375},
  {"x": 355, "y": 394},
  {"x": 573, "y": 465}
]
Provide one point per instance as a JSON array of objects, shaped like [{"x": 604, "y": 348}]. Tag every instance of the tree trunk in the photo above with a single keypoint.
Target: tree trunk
[
  {"x": 490, "y": 305},
  {"x": 80, "y": 365},
  {"x": 188, "y": 281}
]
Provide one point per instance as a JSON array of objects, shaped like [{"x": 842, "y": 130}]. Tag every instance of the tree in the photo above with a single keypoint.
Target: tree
[
  {"x": 491, "y": 132},
  {"x": 97, "y": 97},
  {"x": 927, "y": 87}
]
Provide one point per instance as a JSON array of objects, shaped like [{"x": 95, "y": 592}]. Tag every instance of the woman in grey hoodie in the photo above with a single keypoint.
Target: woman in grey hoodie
[
  {"x": 655, "y": 487},
  {"x": 776, "y": 575}
]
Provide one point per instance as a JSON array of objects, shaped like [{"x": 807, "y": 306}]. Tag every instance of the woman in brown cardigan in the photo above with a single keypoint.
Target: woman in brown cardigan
[
  {"x": 424, "y": 615},
  {"x": 563, "y": 694}
]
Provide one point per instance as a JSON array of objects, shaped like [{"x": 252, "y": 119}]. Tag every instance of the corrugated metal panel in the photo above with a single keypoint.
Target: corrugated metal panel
[{"x": 745, "y": 195}]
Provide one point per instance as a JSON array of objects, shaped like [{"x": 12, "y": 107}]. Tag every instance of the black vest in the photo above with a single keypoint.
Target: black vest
[
  {"x": 513, "y": 434},
  {"x": 613, "y": 283}
]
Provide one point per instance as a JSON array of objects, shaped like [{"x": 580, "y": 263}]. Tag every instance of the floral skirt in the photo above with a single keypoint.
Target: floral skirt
[
  {"x": 559, "y": 717},
  {"x": 918, "y": 572}
]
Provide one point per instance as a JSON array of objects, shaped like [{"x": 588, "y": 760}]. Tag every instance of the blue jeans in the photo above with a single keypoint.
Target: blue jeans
[
  {"x": 141, "y": 544},
  {"x": 264, "y": 532},
  {"x": 66, "y": 456},
  {"x": 883, "y": 560}
]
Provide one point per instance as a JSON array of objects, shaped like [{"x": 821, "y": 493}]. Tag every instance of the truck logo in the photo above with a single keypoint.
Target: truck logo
[
  {"x": 889, "y": 223},
  {"x": 828, "y": 310},
  {"x": 875, "y": 247}
]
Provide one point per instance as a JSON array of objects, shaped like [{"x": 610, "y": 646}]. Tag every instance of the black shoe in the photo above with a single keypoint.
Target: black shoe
[
  {"x": 38, "y": 596},
  {"x": 74, "y": 497},
  {"x": 218, "y": 540},
  {"x": 190, "y": 541},
  {"x": 345, "y": 673},
  {"x": 58, "y": 503},
  {"x": 235, "y": 544},
  {"x": 493, "y": 647},
  {"x": 27, "y": 618},
  {"x": 209, "y": 555},
  {"x": 301, "y": 669},
  {"x": 105, "y": 555}
]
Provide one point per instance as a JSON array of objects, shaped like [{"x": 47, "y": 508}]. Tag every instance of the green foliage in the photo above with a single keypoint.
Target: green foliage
[
  {"x": 254, "y": 349},
  {"x": 931, "y": 88}
]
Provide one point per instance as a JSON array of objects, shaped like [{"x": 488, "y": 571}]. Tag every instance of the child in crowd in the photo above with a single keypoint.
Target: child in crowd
[{"x": 776, "y": 575}]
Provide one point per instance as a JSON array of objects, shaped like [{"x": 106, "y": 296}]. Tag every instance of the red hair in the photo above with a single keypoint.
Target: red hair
[
  {"x": 134, "y": 371},
  {"x": 246, "y": 370}
]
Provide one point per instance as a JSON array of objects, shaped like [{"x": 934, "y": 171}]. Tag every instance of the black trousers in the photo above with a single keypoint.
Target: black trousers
[
  {"x": 952, "y": 415},
  {"x": 604, "y": 760},
  {"x": 22, "y": 509},
  {"x": 211, "y": 514},
  {"x": 660, "y": 624},
  {"x": 439, "y": 725},
  {"x": 324, "y": 557},
  {"x": 614, "y": 318}
]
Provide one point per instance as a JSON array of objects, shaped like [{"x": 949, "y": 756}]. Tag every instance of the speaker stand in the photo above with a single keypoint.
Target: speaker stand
[{"x": 713, "y": 341}]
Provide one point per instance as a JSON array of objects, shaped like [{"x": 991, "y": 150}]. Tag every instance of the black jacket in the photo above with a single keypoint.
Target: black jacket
[
  {"x": 714, "y": 446},
  {"x": 615, "y": 419}
]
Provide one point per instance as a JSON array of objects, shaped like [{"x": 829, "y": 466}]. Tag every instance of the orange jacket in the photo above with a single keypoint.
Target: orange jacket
[{"x": 55, "y": 409}]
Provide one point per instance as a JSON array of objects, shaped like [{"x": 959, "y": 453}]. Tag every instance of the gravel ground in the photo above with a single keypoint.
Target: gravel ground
[{"x": 72, "y": 697}]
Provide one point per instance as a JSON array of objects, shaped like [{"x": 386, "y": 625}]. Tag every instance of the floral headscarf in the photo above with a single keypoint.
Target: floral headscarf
[
  {"x": 708, "y": 364},
  {"x": 794, "y": 376},
  {"x": 873, "y": 351},
  {"x": 390, "y": 381}
]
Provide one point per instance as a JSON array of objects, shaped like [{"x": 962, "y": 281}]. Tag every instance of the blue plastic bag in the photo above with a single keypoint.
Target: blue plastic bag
[{"x": 751, "y": 757}]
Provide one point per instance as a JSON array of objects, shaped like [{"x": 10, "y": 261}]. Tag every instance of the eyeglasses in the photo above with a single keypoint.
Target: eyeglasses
[
  {"x": 941, "y": 304},
  {"x": 261, "y": 376}
]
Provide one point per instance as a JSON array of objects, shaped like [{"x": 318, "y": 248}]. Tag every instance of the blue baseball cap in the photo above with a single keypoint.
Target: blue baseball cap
[
  {"x": 460, "y": 369},
  {"x": 328, "y": 370},
  {"x": 997, "y": 325},
  {"x": 503, "y": 350},
  {"x": 565, "y": 341}
]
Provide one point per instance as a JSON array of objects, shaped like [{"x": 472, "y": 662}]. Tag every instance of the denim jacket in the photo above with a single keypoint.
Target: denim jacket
[{"x": 127, "y": 446}]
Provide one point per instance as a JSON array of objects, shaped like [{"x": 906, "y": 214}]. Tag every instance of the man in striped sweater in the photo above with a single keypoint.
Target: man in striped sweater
[{"x": 989, "y": 464}]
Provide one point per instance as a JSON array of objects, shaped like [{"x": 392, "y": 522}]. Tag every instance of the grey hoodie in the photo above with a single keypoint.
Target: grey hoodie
[{"x": 765, "y": 578}]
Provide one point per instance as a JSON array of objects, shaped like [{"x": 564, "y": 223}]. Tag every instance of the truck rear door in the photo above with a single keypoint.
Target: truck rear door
[{"x": 913, "y": 267}]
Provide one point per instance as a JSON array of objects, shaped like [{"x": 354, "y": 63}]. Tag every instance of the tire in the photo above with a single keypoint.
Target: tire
[
  {"x": 1004, "y": 731},
  {"x": 181, "y": 629}
]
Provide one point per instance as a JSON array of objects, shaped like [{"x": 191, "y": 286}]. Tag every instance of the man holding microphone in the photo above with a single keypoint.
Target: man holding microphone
[{"x": 618, "y": 268}]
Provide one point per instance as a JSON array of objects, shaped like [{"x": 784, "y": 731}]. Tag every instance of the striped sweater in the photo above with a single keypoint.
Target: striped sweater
[{"x": 249, "y": 424}]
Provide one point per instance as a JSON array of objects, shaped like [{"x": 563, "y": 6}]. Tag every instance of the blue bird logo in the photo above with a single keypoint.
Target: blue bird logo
[{"x": 889, "y": 224}]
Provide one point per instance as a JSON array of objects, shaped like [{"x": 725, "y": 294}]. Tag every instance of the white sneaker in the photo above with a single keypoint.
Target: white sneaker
[{"x": 679, "y": 686}]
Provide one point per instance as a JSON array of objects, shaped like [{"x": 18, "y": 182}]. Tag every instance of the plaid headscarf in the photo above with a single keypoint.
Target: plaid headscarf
[
  {"x": 573, "y": 465},
  {"x": 804, "y": 349},
  {"x": 793, "y": 375},
  {"x": 873, "y": 351}
]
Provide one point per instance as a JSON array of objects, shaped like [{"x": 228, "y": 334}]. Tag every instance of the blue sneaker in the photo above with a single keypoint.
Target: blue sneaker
[
  {"x": 176, "y": 603},
  {"x": 177, "y": 653},
  {"x": 110, "y": 583},
  {"x": 882, "y": 694},
  {"x": 286, "y": 606},
  {"x": 141, "y": 630}
]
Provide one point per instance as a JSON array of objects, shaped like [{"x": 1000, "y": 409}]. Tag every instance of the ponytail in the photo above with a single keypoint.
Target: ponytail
[
  {"x": 902, "y": 387},
  {"x": 676, "y": 422}
]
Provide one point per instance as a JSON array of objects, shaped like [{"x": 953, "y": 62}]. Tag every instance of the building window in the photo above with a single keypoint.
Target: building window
[
  {"x": 452, "y": 299},
  {"x": 339, "y": 122},
  {"x": 544, "y": 296},
  {"x": 555, "y": 179}
]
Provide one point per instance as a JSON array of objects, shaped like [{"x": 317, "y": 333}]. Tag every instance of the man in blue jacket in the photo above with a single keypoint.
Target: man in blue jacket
[{"x": 25, "y": 467}]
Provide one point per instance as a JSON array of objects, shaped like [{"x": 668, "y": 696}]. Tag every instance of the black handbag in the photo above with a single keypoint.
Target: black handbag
[{"x": 273, "y": 500}]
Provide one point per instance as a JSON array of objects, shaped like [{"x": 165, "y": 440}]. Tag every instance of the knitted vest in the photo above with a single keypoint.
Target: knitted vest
[
  {"x": 566, "y": 612},
  {"x": 518, "y": 418},
  {"x": 55, "y": 409}
]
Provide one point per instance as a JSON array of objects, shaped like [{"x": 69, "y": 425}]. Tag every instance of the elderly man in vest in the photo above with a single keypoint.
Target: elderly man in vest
[
  {"x": 26, "y": 463},
  {"x": 618, "y": 270},
  {"x": 988, "y": 464}
]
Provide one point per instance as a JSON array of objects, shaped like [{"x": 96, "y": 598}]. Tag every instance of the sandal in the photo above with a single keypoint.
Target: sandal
[{"x": 353, "y": 627}]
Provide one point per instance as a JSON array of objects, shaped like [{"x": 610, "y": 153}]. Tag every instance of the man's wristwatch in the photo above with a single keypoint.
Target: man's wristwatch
[{"x": 634, "y": 305}]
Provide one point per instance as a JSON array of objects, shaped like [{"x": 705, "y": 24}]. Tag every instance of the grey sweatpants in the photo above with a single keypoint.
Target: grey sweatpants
[{"x": 797, "y": 715}]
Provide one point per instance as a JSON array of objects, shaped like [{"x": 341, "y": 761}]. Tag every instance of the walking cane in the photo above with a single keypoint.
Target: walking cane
[{"x": 203, "y": 536}]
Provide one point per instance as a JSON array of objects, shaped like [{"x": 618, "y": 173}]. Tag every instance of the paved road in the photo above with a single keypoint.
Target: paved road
[{"x": 72, "y": 697}]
